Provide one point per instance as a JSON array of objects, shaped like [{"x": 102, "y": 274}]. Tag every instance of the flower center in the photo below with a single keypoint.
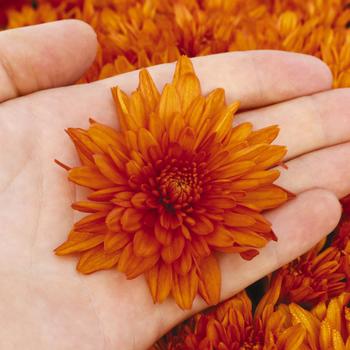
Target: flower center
[{"x": 180, "y": 184}]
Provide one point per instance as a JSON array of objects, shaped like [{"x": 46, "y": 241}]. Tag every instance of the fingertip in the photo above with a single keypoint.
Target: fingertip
[
  {"x": 87, "y": 36},
  {"x": 306, "y": 219},
  {"x": 83, "y": 41},
  {"x": 316, "y": 71},
  {"x": 44, "y": 56},
  {"x": 325, "y": 206},
  {"x": 294, "y": 73}
]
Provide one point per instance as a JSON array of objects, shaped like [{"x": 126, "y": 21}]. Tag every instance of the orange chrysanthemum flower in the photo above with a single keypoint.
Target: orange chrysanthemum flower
[
  {"x": 327, "y": 325},
  {"x": 316, "y": 276},
  {"x": 139, "y": 33},
  {"x": 174, "y": 185},
  {"x": 323, "y": 272},
  {"x": 234, "y": 326}
]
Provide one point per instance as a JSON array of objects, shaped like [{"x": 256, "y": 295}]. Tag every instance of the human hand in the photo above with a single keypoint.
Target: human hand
[{"x": 45, "y": 303}]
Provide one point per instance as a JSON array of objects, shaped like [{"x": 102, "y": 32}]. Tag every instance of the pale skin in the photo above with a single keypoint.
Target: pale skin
[{"x": 44, "y": 302}]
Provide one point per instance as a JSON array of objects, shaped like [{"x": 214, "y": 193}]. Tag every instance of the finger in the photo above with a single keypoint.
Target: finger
[
  {"x": 328, "y": 168},
  {"x": 44, "y": 56},
  {"x": 299, "y": 225},
  {"x": 307, "y": 123},
  {"x": 255, "y": 78}
]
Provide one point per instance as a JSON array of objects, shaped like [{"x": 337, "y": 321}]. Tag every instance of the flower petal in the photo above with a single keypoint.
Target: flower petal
[
  {"x": 108, "y": 169},
  {"x": 79, "y": 242},
  {"x": 89, "y": 177},
  {"x": 113, "y": 219},
  {"x": 145, "y": 244},
  {"x": 265, "y": 135},
  {"x": 238, "y": 220},
  {"x": 169, "y": 104},
  {"x": 185, "y": 288},
  {"x": 160, "y": 279},
  {"x": 267, "y": 197},
  {"x": 173, "y": 251},
  {"x": 131, "y": 219},
  {"x": 203, "y": 225},
  {"x": 210, "y": 280},
  {"x": 138, "y": 266},
  {"x": 96, "y": 259},
  {"x": 188, "y": 88},
  {"x": 148, "y": 90},
  {"x": 183, "y": 265},
  {"x": 115, "y": 241},
  {"x": 91, "y": 207},
  {"x": 248, "y": 238},
  {"x": 164, "y": 236},
  {"x": 221, "y": 237},
  {"x": 104, "y": 137},
  {"x": 183, "y": 66}
]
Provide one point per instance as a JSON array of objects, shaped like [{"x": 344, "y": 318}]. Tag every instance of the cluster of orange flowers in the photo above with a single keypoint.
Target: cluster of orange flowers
[
  {"x": 139, "y": 33},
  {"x": 304, "y": 307},
  {"x": 309, "y": 310},
  {"x": 233, "y": 326}
]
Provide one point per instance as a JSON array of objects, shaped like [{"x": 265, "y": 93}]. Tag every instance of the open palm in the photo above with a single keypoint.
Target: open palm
[{"x": 44, "y": 302}]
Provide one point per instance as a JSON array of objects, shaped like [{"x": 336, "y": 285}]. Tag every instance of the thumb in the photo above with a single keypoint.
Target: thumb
[{"x": 44, "y": 56}]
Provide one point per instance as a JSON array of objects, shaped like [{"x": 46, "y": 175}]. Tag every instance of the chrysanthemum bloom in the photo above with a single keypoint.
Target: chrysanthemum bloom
[
  {"x": 327, "y": 326},
  {"x": 232, "y": 326},
  {"x": 140, "y": 33},
  {"x": 316, "y": 276},
  {"x": 174, "y": 185},
  {"x": 323, "y": 272}
]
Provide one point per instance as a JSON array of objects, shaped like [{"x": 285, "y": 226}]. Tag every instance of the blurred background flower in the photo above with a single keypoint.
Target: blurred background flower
[{"x": 303, "y": 304}]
